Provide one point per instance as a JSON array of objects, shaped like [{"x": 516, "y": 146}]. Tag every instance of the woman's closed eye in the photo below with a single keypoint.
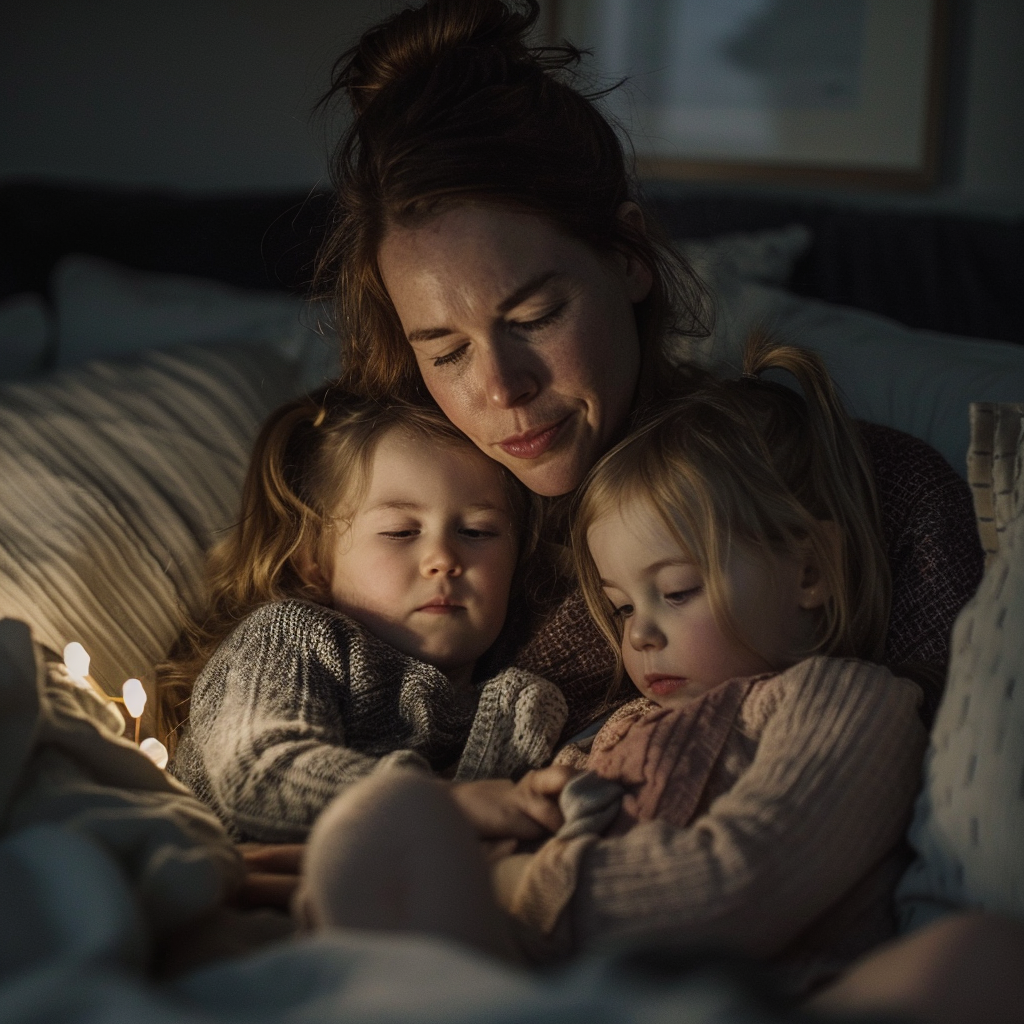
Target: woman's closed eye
[
  {"x": 450, "y": 358},
  {"x": 540, "y": 322}
]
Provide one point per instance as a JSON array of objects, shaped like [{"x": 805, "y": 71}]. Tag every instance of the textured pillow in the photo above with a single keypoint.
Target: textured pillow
[
  {"x": 116, "y": 479},
  {"x": 968, "y": 827},
  {"x": 992, "y": 470},
  {"x": 918, "y": 381}
]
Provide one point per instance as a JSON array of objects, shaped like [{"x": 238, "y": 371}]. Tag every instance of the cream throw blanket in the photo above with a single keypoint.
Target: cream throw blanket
[{"x": 63, "y": 762}]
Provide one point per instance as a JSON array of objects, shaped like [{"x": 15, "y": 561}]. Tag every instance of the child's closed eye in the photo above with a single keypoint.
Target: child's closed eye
[
  {"x": 478, "y": 533},
  {"x": 682, "y": 596}
]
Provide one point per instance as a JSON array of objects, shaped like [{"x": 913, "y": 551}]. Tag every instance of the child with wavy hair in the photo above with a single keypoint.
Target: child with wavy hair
[
  {"x": 348, "y": 617},
  {"x": 755, "y": 795}
]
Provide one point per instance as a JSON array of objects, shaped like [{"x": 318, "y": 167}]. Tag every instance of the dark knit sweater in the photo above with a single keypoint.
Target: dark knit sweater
[{"x": 935, "y": 559}]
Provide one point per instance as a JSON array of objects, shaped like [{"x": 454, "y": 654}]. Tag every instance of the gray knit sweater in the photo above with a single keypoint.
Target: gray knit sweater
[{"x": 299, "y": 701}]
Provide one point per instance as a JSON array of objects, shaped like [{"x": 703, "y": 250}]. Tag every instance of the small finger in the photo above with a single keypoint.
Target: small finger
[
  {"x": 546, "y": 813},
  {"x": 551, "y": 781},
  {"x": 272, "y": 858},
  {"x": 266, "y": 890}
]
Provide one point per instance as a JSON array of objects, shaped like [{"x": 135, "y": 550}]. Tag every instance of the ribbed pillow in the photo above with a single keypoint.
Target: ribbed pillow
[{"x": 115, "y": 479}]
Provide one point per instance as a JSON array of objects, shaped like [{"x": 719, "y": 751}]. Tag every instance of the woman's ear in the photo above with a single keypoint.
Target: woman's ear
[
  {"x": 639, "y": 277},
  {"x": 310, "y": 573},
  {"x": 814, "y": 586}
]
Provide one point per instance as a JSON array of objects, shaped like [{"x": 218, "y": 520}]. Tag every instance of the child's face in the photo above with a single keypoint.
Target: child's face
[
  {"x": 428, "y": 560},
  {"x": 672, "y": 646}
]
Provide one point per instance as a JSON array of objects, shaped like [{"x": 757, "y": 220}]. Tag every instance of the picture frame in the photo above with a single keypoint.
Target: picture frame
[{"x": 813, "y": 92}]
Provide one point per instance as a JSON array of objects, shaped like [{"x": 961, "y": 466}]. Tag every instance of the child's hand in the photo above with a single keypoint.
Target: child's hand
[
  {"x": 271, "y": 874},
  {"x": 502, "y": 809}
]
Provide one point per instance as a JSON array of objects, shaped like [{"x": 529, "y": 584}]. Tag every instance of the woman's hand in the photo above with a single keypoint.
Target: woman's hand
[
  {"x": 271, "y": 874},
  {"x": 502, "y": 809}
]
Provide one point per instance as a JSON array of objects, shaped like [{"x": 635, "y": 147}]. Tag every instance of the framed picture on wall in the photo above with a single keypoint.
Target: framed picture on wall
[{"x": 815, "y": 91}]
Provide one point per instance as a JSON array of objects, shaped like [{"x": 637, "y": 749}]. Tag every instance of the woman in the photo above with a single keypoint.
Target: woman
[{"x": 490, "y": 255}]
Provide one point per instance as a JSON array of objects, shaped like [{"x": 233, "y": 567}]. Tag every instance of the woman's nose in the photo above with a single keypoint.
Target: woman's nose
[
  {"x": 441, "y": 559},
  {"x": 644, "y": 634},
  {"x": 508, "y": 379}
]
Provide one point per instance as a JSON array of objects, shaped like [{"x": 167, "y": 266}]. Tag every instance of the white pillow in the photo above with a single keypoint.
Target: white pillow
[
  {"x": 116, "y": 479},
  {"x": 968, "y": 827},
  {"x": 766, "y": 256},
  {"x": 918, "y": 381},
  {"x": 25, "y": 334},
  {"x": 104, "y": 309}
]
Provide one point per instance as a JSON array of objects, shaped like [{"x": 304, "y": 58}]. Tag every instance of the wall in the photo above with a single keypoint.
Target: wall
[
  {"x": 196, "y": 94},
  {"x": 216, "y": 94}
]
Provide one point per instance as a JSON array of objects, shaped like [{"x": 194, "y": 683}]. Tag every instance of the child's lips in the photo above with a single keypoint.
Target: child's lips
[
  {"x": 441, "y": 606},
  {"x": 662, "y": 685}
]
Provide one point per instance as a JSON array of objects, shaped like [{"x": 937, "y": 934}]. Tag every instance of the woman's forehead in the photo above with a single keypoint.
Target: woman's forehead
[{"x": 472, "y": 250}]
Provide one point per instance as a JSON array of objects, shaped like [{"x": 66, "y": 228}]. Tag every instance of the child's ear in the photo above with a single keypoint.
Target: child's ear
[
  {"x": 815, "y": 589},
  {"x": 310, "y": 573}
]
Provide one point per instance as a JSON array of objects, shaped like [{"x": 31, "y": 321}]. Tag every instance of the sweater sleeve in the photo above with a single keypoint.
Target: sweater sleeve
[
  {"x": 269, "y": 727},
  {"x": 934, "y": 552},
  {"x": 826, "y": 797}
]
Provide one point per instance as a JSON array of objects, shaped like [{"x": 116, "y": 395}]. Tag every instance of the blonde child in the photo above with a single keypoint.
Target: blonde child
[
  {"x": 369, "y": 573},
  {"x": 755, "y": 796}
]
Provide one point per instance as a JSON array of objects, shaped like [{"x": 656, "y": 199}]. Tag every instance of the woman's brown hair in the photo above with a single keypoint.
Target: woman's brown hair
[
  {"x": 754, "y": 461},
  {"x": 310, "y": 467},
  {"x": 452, "y": 105}
]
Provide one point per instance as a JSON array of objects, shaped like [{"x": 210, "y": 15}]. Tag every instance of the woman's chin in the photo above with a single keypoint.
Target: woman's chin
[{"x": 551, "y": 480}]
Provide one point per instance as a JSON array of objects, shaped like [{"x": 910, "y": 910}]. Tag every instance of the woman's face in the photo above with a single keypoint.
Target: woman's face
[{"x": 526, "y": 338}]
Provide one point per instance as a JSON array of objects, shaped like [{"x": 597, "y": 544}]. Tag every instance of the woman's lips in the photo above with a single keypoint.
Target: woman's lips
[
  {"x": 664, "y": 685},
  {"x": 533, "y": 443}
]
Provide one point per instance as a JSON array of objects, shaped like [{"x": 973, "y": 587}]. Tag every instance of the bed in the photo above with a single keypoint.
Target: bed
[{"x": 143, "y": 339}]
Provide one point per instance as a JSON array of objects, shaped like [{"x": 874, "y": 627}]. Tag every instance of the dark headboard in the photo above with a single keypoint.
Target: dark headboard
[{"x": 959, "y": 274}]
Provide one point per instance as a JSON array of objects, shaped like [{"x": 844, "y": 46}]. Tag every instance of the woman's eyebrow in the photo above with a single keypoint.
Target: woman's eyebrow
[{"x": 521, "y": 294}]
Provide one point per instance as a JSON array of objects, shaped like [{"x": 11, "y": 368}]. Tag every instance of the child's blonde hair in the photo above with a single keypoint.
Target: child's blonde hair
[
  {"x": 311, "y": 453},
  {"x": 752, "y": 461}
]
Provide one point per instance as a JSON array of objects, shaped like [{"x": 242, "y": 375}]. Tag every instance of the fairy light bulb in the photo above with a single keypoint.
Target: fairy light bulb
[
  {"x": 134, "y": 697},
  {"x": 76, "y": 661},
  {"x": 155, "y": 751}
]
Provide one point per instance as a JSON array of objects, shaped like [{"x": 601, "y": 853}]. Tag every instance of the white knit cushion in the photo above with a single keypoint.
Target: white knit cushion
[
  {"x": 116, "y": 478},
  {"x": 968, "y": 827}
]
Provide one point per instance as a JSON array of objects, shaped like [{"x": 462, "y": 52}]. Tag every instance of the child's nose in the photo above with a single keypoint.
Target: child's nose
[
  {"x": 644, "y": 633},
  {"x": 441, "y": 559}
]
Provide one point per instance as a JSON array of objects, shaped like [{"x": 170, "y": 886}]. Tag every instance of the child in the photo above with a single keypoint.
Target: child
[
  {"x": 755, "y": 797},
  {"x": 369, "y": 572}
]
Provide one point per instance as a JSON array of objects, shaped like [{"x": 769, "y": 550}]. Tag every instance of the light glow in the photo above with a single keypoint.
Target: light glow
[
  {"x": 134, "y": 697},
  {"x": 76, "y": 661},
  {"x": 155, "y": 751}
]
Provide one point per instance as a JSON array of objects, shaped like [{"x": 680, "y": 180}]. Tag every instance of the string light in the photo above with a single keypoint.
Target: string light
[
  {"x": 133, "y": 696},
  {"x": 155, "y": 751},
  {"x": 77, "y": 661}
]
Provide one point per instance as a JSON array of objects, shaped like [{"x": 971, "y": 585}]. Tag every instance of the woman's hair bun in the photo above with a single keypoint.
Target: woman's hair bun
[{"x": 410, "y": 45}]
